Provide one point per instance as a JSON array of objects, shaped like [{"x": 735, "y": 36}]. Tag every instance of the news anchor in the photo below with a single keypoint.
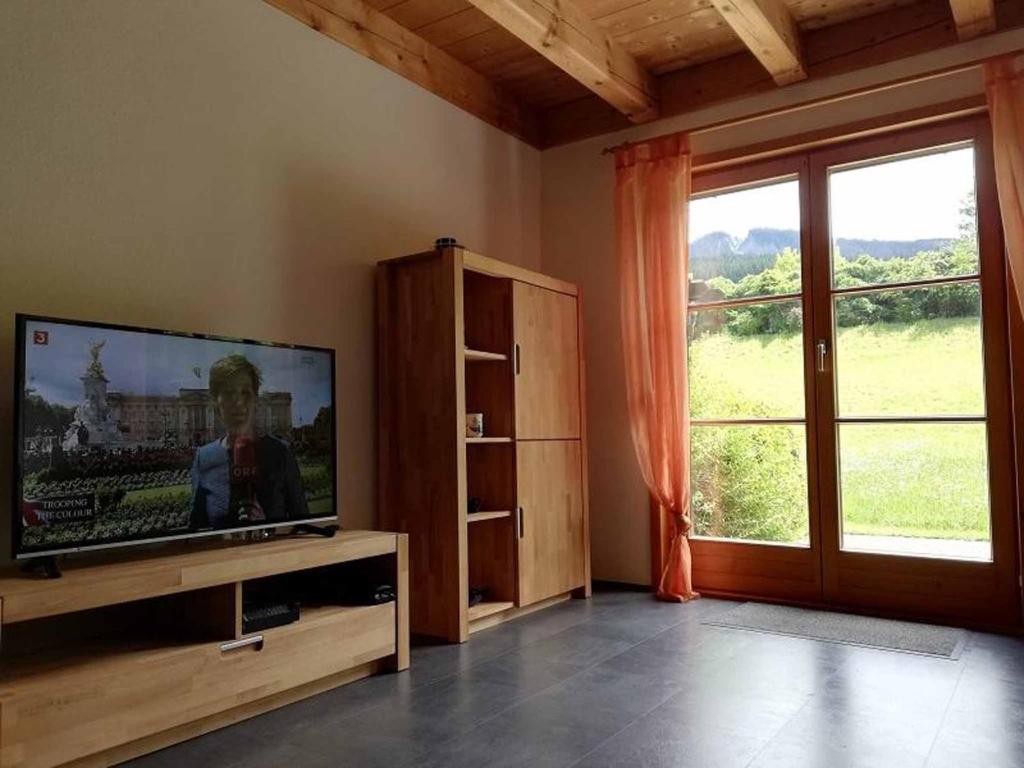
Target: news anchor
[{"x": 243, "y": 477}]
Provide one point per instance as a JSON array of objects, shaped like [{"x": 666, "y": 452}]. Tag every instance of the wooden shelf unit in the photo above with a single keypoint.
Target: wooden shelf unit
[
  {"x": 437, "y": 312},
  {"x": 123, "y": 656}
]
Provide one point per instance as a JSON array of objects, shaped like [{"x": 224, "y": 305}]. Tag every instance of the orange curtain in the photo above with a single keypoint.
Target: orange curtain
[
  {"x": 1004, "y": 85},
  {"x": 652, "y": 190}
]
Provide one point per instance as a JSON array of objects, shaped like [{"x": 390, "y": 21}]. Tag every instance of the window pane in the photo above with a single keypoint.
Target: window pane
[
  {"x": 911, "y": 352},
  {"x": 747, "y": 362},
  {"x": 750, "y": 482},
  {"x": 907, "y": 219},
  {"x": 745, "y": 243},
  {"x": 915, "y": 489}
]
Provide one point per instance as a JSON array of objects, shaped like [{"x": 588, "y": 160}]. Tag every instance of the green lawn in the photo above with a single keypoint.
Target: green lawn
[{"x": 906, "y": 480}]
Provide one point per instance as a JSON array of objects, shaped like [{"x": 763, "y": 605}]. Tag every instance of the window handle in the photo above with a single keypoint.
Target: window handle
[{"x": 822, "y": 353}]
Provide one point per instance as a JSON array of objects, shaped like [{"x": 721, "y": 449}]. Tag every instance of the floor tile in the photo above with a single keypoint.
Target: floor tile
[{"x": 623, "y": 680}]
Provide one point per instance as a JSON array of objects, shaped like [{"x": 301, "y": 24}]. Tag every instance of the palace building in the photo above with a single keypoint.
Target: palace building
[{"x": 190, "y": 417}]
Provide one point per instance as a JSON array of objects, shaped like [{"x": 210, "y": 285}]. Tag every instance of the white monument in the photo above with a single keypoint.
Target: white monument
[{"x": 93, "y": 424}]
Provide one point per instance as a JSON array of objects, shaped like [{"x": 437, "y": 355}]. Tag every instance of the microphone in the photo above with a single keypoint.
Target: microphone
[{"x": 245, "y": 471}]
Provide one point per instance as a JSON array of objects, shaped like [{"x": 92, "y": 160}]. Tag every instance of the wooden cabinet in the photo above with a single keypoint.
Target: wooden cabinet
[
  {"x": 460, "y": 333},
  {"x": 125, "y": 656},
  {"x": 547, "y": 365},
  {"x": 550, "y": 518}
]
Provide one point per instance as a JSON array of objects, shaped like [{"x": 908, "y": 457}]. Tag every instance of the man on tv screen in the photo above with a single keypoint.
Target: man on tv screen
[{"x": 243, "y": 477}]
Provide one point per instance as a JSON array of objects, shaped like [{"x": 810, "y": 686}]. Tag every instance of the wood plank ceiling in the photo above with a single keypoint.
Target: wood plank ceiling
[{"x": 552, "y": 71}]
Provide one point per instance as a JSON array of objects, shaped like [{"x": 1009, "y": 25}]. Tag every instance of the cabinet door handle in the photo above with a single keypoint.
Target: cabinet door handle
[
  {"x": 520, "y": 528},
  {"x": 518, "y": 361},
  {"x": 233, "y": 645}
]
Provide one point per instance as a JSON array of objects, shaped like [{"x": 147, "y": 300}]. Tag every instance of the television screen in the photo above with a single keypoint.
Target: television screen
[{"x": 131, "y": 435}]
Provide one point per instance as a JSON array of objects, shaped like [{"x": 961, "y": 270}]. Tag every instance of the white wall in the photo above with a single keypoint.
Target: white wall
[
  {"x": 578, "y": 235},
  {"x": 213, "y": 165}
]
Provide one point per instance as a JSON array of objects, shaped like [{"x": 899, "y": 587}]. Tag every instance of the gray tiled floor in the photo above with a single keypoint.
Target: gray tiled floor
[{"x": 622, "y": 680}]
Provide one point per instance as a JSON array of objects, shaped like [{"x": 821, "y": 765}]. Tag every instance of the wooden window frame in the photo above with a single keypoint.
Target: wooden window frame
[{"x": 788, "y": 574}]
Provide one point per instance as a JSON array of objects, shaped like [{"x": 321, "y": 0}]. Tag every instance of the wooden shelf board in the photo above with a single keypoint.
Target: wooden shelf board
[
  {"x": 482, "y": 610},
  {"x": 476, "y": 517},
  {"x": 488, "y": 439},
  {"x": 137, "y": 575},
  {"x": 480, "y": 355},
  {"x": 309, "y": 614}
]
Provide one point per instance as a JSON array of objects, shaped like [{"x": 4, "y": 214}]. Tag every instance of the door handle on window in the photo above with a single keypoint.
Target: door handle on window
[
  {"x": 517, "y": 361},
  {"x": 822, "y": 353},
  {"x": 519, "y": 522}
]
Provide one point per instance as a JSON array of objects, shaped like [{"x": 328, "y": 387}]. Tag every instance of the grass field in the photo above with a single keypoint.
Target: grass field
[{"x": 921, "y": 480}]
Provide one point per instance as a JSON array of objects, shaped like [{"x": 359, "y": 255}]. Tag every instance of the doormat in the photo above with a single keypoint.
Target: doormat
[{"x": 885, "y": 634}]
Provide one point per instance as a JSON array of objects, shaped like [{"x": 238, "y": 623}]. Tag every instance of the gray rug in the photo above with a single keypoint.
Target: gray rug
[{"x": 905, "y": 636}]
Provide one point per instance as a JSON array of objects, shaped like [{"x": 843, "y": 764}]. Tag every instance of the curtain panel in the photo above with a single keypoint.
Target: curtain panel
[{"x": 652, "y": 191}]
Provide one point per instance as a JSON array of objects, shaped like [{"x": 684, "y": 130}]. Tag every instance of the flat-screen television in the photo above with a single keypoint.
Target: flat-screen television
[{"x": 131, "y": 435}]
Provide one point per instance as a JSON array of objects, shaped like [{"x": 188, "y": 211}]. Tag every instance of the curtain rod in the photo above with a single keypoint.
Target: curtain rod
[{"x": 863, "y": 91}]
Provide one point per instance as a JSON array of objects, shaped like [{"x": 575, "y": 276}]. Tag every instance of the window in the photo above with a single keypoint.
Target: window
[{"x": 746, "y": 369}]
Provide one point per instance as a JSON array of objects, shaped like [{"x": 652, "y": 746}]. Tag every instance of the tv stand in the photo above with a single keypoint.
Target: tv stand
[
  {"x": 327, "y": 531},
  {"x": 132, "y": 651},
  {"x": 47, "y": 565}
]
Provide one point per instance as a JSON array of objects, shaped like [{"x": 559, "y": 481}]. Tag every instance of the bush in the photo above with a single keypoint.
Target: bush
[
  {"x": 749, "y": 483},
  {"x": 902, "y": 306}
]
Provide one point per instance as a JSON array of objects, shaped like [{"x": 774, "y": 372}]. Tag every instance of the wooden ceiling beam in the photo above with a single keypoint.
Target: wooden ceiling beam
[
  {"x": 828, "y": 52},
  {"x": 973, "y": 17},
  {"x": 769, "y": 31},
  {"x": 561, "y": 32},
  {"x": 358, "y": 26}
]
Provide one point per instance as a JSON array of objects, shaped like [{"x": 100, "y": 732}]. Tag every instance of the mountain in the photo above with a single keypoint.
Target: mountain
[
  {"x": 764, "y": 241},
  {"x": 714, "y": 245},
  {"x": 890, "y": 249}
]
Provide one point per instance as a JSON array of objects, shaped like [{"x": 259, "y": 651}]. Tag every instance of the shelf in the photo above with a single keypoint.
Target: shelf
[
  {"x": 479, "y": 355},
  {"x": 488, "y": 439},
  {"x": 317, "y": 614},
  {"x": 482, "y": 610},
  {"x": 116, "y": 577},
  {"x": 476, "y": 517}
]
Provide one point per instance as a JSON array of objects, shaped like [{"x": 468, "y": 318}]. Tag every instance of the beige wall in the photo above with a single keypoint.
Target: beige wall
[
  {"x": 578, "y": 244},
  {"x": 213, "y": 165}
]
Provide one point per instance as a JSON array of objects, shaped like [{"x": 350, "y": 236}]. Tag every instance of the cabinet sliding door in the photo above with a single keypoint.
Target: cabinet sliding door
[
  {"x": 547, "y": 364},
  {"x": 549, "y": 519}
]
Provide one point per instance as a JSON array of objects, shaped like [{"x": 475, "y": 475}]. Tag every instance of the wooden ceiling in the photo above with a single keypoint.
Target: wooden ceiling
[{"x": 552, "y": 71}]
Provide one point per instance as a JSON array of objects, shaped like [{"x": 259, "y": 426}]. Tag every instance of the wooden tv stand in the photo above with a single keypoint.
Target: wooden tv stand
[{"x": 129, "y": 654}]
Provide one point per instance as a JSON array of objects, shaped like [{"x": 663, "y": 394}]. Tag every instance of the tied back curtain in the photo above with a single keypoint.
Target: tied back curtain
[
  {"x": 1004, "y": 86},
  {"x": 652, "y": 186}
]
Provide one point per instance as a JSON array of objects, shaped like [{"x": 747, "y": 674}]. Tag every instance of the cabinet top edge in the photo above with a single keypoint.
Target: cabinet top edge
[{"x": 485, "y": 265}]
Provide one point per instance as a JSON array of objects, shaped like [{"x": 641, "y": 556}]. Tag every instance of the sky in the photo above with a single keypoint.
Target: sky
[
  {"x": 151, "y": 364},
  {"x": 908, "y": 199}
]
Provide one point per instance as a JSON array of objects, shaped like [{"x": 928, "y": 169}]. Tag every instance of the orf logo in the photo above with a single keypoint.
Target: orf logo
[{"x": 41, "y": 337}]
